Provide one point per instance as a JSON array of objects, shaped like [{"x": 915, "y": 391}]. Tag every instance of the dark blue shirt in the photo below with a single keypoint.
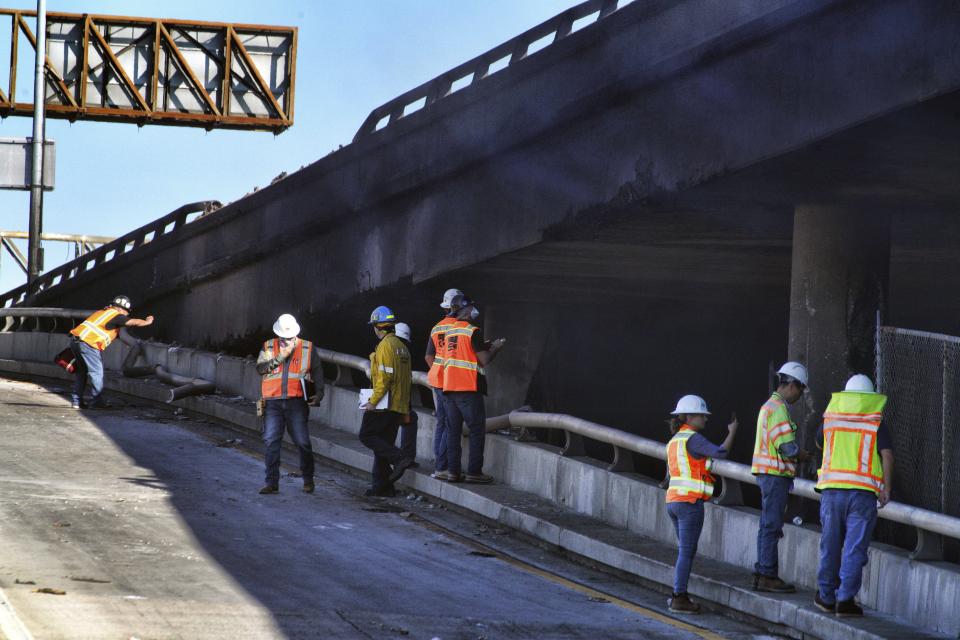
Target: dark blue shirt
[{"x": 699, "y": 447}]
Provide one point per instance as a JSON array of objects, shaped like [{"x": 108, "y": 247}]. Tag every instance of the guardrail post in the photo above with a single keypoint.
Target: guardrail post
[
  {"x": 608, "y": 7},
  {"x": 731, "y": 494},
  {"x": 929, "y": 546},
  {"x": 622, "y": 461},
  {"x": 344, "y": 377},
  {"x": 574, "y": 445},
  {"x": 564, "y": 27}
]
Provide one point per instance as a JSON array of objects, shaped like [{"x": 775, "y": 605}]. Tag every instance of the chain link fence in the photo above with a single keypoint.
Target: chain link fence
[{"x": 920, "y": 372}]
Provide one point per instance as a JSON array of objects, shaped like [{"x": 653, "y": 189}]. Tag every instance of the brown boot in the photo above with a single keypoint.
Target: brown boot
[
  {"x": 269, "y": 488},
  {"x": 772, "y": 585},
  {"x": 681, "y": 603}
]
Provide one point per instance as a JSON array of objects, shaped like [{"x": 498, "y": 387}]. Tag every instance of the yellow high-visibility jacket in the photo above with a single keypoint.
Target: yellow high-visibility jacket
[{"x": 390, "y": 373}]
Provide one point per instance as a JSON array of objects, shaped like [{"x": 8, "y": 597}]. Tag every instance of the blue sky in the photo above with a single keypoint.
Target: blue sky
[{"x": 353, "y": 56}]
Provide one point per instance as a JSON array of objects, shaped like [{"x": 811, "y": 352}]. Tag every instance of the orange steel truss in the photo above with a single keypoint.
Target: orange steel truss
[{"x": 156, "y": 71}]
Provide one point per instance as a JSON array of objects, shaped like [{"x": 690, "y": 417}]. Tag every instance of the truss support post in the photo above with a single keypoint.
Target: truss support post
[{"x": 34, "y": 251}]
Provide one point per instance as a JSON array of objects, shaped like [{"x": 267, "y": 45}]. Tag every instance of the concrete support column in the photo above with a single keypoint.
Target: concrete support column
[
  {"x": 839, "y": 279},
  {"x": 527, "y": 329}
]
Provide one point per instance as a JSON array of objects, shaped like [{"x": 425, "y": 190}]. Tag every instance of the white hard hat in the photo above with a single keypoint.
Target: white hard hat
[
  {"x": 402, "y": 329},
  {"x": 691, "y": 404},
  {"x": 860, "y": 383},
  {"x": 286, "y": 326},
  {"x": 448, "y": 297},
  {"x": 796, "y": 371}
]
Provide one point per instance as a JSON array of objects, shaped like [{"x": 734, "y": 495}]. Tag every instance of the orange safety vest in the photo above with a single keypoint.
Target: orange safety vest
[
  {"x": 94, "y": 330},
  {"x": 460, "y": 365},
  {"x": 271, "y": 386},
  {"x": 850, "y": 456},
  {"x": 690, "y": 478},
  {"x": 435, "y": 375}
]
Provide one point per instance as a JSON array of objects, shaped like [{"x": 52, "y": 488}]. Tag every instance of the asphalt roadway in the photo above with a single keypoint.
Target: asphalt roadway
[{"x": 151, "y": 530}]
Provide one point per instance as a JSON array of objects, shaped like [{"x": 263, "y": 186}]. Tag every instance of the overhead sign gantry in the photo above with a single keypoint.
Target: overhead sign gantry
[{"x": 156, "y": 71}]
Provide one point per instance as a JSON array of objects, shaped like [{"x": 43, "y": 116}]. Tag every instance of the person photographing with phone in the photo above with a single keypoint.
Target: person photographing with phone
[
  {"x": 289, "y": 372},
  {"x": 689, "y": 459}
]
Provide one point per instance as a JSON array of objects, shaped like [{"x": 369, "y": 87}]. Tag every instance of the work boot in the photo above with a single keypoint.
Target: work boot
[
  {"x": 402, "y": 465},
  {"x": 848, "y": 609},
  {"x": 454, "y": 477},
  {"x": 99, "y": 403},
  {"x": 382, "y": 492},
  {"x": 772, "y": 585},
  {"x": 269, "y": 488},
  {"x": 681, "y": 603},
  {"x": 308, "y": 486},
  {"x": 823, "y": 605},
  {"x": 478, "y": 478}
]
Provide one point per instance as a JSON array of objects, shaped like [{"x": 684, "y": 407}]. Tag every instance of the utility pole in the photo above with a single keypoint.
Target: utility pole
[{"x": 34, "y": 250}]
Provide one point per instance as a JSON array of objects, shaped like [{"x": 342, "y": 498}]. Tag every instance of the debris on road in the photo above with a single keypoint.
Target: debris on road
[
  {"x": 51, "y": 591},
  {"x": 93, "y": 580}
]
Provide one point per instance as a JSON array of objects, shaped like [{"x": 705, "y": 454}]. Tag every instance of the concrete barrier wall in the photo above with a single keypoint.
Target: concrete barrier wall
[{"x": 624, "y": 500}]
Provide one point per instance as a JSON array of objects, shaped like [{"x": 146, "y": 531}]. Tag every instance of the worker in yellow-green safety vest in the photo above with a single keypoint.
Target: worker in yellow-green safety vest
[
  {"x": 854, "y": 479},
  {"x": 688, "y": 461},
  {"x": 775, "y": 457}
]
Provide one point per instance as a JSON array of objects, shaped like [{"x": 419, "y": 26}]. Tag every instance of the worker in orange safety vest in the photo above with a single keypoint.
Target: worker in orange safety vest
[
  {"x": 292, "y": 377},
  {"x": 689, "y": 460},
  {"x": 89, "y": 339}
]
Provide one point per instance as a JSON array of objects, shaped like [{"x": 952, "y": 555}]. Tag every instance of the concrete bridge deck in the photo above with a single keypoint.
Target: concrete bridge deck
[{"x": 155, "y": 532}]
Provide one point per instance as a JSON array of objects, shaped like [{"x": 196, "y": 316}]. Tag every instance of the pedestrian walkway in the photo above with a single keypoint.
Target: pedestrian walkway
[{"x": 154, "y": 531}]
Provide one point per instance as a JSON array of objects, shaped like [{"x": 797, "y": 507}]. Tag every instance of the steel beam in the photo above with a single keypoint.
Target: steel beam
[{"x": 199, "y": 74}]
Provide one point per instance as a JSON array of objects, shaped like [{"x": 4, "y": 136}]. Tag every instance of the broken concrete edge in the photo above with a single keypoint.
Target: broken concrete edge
[{"x": 796, "y": 619}]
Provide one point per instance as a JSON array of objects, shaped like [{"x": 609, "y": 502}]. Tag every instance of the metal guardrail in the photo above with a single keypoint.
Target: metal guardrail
[
  {"x": 929, "y": 524},
  {"x": 473, "y": 71},
  {"x": 110, "y": 251},
  {"x": 20, "y": 315}
]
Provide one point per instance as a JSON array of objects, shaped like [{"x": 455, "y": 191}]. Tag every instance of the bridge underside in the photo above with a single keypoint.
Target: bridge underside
[
  {"x": 672, "y": 222},
  {"x": 629, "y": 305}
]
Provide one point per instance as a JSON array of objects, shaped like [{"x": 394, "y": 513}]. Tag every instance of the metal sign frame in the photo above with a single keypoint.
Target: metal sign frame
[{"x": 158, "y": 71}]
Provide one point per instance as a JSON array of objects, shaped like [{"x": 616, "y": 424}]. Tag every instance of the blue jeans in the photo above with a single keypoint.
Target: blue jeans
[
  {"x": 460, "y": 407},
  {"x": 89, "y": 363},
  {"x": 774, "y": 491},
  {"x": 440, "y": 433},
  {"x": 291, "y": 414},
  {"x": 687, "y": 518},
  {"x": 848, "y": 517}
]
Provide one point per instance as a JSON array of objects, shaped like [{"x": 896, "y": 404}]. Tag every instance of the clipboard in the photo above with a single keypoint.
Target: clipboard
[{"x": 366, "y": 394}]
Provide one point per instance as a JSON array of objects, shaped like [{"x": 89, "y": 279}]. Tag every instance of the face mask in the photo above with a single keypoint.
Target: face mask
[{"x": 474, "y": 313}]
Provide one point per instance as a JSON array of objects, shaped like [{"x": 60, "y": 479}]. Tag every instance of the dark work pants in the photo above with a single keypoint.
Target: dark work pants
[
  {"x": 378, "y": 432},
  {"x": 465, "y": 407},
  {"x": 408, "y": 437},
  {"x": 292, "y": 414}
]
